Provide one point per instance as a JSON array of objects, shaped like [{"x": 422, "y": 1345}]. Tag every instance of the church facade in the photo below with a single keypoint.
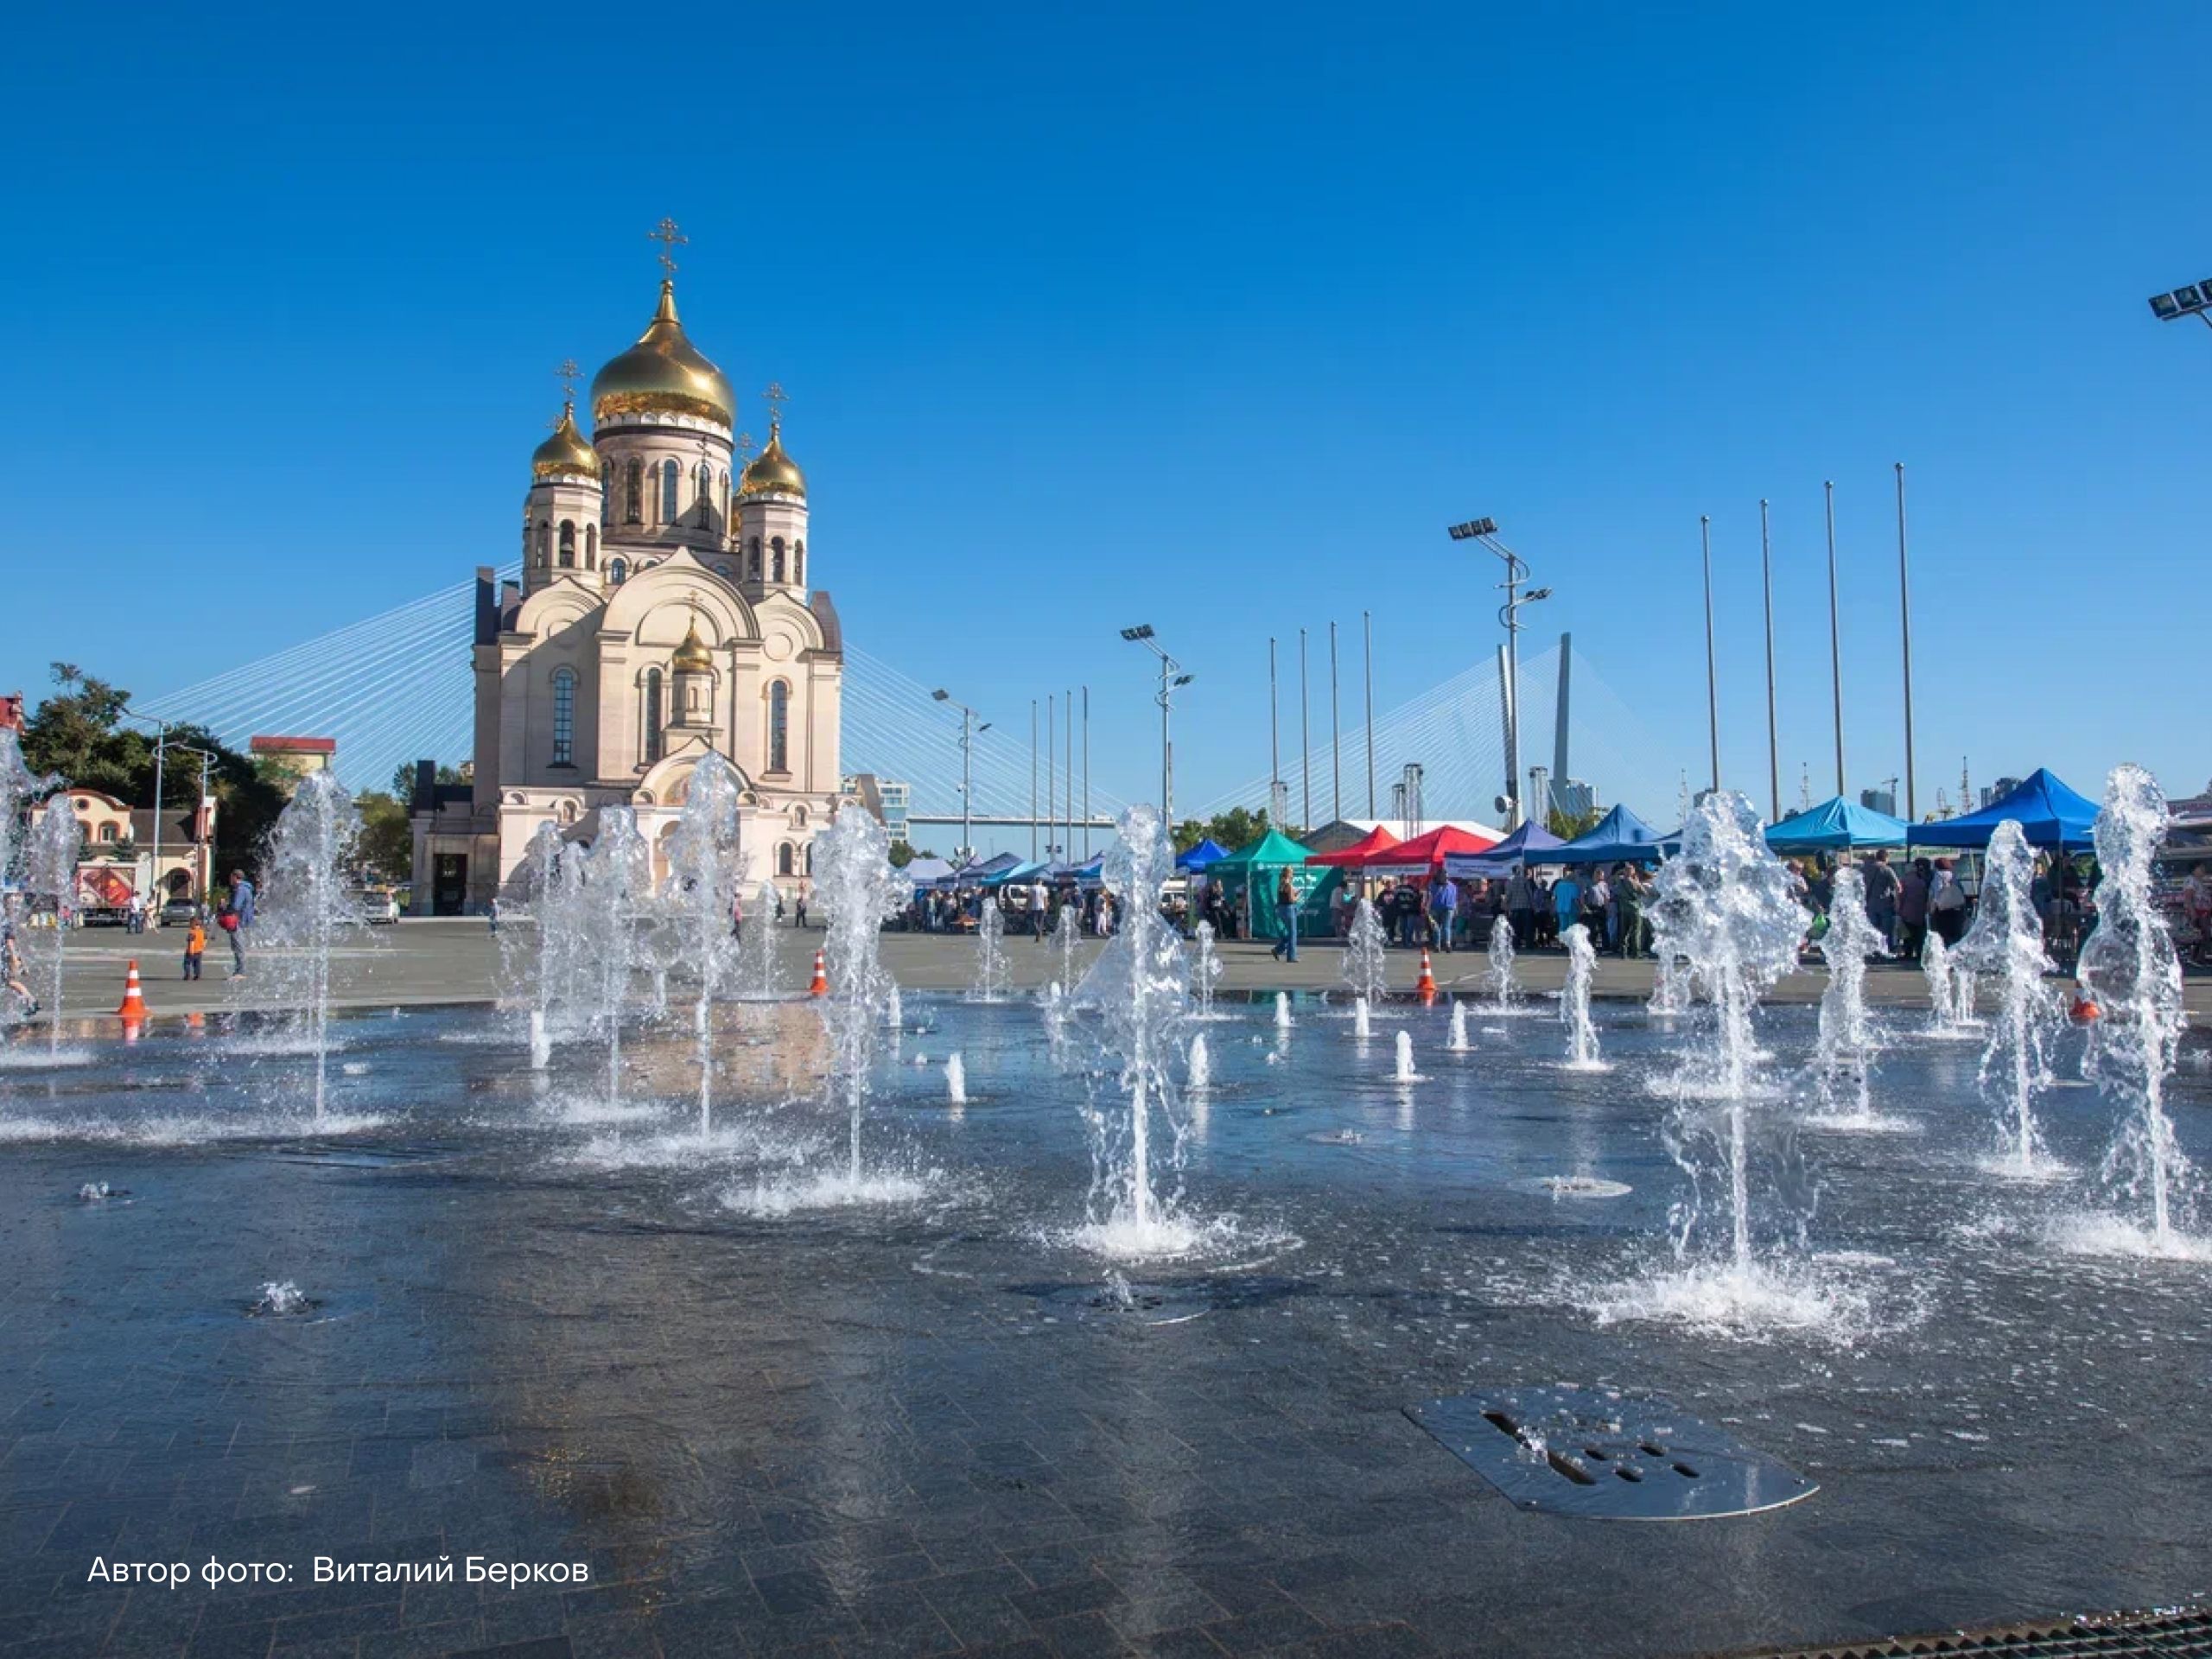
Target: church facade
[{"x": 666, "y": 607}]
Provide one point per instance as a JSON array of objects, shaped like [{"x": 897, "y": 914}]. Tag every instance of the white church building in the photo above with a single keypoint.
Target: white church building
[{"x": 664, "y": 610}]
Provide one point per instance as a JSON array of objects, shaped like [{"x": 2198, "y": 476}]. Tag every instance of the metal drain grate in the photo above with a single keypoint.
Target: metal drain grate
[
  {"x": 2104, "y": 1635},
  {"x": 1606, "y": 1456}
]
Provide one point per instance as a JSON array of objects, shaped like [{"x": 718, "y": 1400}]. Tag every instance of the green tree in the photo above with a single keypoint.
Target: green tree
[
  {"x": 386, "y": 847},
  {"x": 1567, "y": 825},
  {"x": 1238, "y": 827},
  {"x": 402, "y": 780},
  {"x": 901, "y": 855},
  {"x": 79, "y": 731}
]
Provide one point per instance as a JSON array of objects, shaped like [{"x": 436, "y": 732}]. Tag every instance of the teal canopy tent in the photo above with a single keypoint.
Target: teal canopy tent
[
  {"x": 1248, "y": 878},
  {"x": 1833, "y": 825}
]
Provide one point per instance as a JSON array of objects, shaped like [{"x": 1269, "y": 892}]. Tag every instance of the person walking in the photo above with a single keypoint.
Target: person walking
[
  {"x": 242, "y": 898},
  {"x": 11, "y": 965},
  {"x": 137, "y": 924},
  {"x": 1629, "y": 895},
  {"x": 1286, "y": 916},
  {"x": 1947, "y": 903},
  {"x": 1912, "y": 910},
  {"x": 1443, "y": 905},
  {"x": 1566, "y": 902},
  {"x": 1520, "y": 908},
  {"x": 1040, "y": 907},
  {"x": 1883, "y": 889},
  {"x": 492, "y": 915},
  {"x": 737, "y": 916},
  {"x": 226, "y": 918},
  {"x": 798, "y": 911},
  {"x": 195, "y": 946}
]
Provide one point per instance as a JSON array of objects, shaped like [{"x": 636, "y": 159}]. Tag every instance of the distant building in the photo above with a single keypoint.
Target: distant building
[
  {"x": 887, "y": 799},
  {"x": 112, "y": 829},
  {"x": 291, "y": 759},
  {"x": 1574, "y": 797},
  {"x": 1997, "y": 790},
  {"x": 1881, "y": 800}
]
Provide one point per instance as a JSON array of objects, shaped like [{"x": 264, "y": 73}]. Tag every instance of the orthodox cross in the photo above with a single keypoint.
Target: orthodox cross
[
  {"x": 745, "y": 445},
  {"x": 775, "y": 398},
  {"x": 668, "y": 236},
  {"x": 566, "y": 374}
]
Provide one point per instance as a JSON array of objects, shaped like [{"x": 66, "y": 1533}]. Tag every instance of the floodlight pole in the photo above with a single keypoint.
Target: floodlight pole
[
  {"x": 1904, "y": 610},
  {"x": 1773, "y": 737},
  {"x": 1484, "y": 530},
  {"x": 1336, "y": 732},
  {"x": 160, "y": 756},
  {"x": 1835, "y": 638},
  {"x": 1170, "y": 677},
  {"x": 1367, "y": 624},
  {"x": 1711, "y": 678},
  {"x": 968, "y": 776},
  {"x": 1305, "y": 742}
]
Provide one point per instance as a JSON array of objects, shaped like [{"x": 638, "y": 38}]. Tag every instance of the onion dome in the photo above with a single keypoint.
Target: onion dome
[
  {"x": 567, "y": 453},
  {"x": 772, "y": 471},
  {"x": 692, "y": 656},
  {"x": 664, "y": 374}
]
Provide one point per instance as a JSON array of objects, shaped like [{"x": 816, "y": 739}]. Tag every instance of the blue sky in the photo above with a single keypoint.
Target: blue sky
[{"x": 1211, "y": 316}]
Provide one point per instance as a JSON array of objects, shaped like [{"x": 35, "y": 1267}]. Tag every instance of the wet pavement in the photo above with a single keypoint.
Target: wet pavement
[{"x": 547, "y": 1328}]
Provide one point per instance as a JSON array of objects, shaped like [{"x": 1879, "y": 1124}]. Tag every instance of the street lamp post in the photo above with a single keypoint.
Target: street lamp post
[
  {"x": 1171, "y": 680},
  {"x": 2189, "y": 300},
  {"x": 161, "y": 755},
  {"x": 1484, "y": 530},
  {"x": 969, "y": 732}
]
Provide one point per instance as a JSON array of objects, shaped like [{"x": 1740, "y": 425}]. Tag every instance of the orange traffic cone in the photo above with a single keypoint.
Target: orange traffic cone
[
  {"x": 1425, "y": 987},
  {"x": 821, "y": 986},
  {"x": 134, "y": 999}
]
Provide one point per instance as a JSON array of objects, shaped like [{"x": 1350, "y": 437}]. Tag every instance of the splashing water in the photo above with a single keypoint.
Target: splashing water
[
  {"x": 1205, "y": 970},
  {"x": 1725, "y": 906},
  {"x": 860, "y": 892},
  {"x": 2129, "y": 968},
  {"x": 1362, "y": 1027},
  {"x": 991, "y": 949},
  {"x": 1067, "y": 933},
  {"x": 617, "y": 877},
  {"x": 758, "y": 948},
  {"x": 283, "y": 1298},
  {"x": 956, "y": 1081},
  {"x": 57, "y": 840},
  {"x": 1504, "y": 983},
  {"x": 1670, "y": 987},
  {"x": 702, "y": 898},
  {"x": 1403, "y": 1071},
  {"x": 1458, "y": 1042},
  {"x": 304, "y": 904},
  {"x": 2005, "y": 943},
  {"x": 1366, "y": 959},
  {"x": 1283, "y": 1011},
  {"x": 1943, "y": 985},
  {"x": 19, "y": 788},
  {"x": 1574, "y": 1002},
  {"x": 540, "y": 971},
  {"x": 1201, "y": 1064},
  {"x": 1138, "y": 991},
  {"x": 1844, "y": 1053}
]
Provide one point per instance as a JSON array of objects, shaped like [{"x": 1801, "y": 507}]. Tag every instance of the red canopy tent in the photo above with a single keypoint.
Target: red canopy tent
[
  {"x": 1425, "y": 852},
  {"x": 1374, "y": 840}
]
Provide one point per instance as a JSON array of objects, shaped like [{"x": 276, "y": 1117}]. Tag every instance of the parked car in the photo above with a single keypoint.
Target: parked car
[
  {"x": 377, "y": 904},
  {"x": 178, "y": 912}
]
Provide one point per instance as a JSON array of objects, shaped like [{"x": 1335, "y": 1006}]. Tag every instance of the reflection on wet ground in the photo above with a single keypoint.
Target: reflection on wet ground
[{"x": 539, "y": 1326}]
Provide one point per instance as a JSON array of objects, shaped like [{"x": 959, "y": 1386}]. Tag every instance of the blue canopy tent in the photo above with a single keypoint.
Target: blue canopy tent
[
  {"x": 1086, "y": 873},
  {"x": 1013, "y": 873},
  {"x": 1619, "y": 838},
  {"x": 1208, "y": 851},
  {"x": 1835, "y": 824},
  {"x": 1530, "y": 844},
  {"x": 925, "y": 872},
  {"x": 2048, "y": 813},
  {"x": 974, "y": 875}
]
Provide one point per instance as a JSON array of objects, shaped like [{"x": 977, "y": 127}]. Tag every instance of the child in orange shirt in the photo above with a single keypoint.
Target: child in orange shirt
[{"x": 196, "y": 941}]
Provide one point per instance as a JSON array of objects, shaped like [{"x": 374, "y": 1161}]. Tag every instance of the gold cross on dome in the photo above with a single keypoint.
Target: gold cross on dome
[
  {"x": 745, "y": 445},
  {"x": 567, "y": 374},
  {"x": 668, "y": 236},
  {"x": 776, "y": 398}
]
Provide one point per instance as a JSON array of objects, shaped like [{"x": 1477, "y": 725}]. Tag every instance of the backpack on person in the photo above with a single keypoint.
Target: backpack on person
[{"x": 1950, "y": 896}]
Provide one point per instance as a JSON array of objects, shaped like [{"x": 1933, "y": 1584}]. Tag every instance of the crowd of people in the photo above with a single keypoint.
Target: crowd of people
[{"x": 1026, "y": 907}]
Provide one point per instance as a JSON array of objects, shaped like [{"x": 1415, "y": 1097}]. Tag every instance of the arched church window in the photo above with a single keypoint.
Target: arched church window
[
  {"x": 799, "y": 562},
  {"x": 668, "y": 477},
  {"x": 545, "y": 541},
  {"x": 652, "y": 715},
  {"x": 810, "y": 858},
  {"x": 633, "y": 494},
  {"x": 618, "y": 570},
  {"x": 591, "y": 547},
  {"x": 564, "y": 716},
  {"x": 704, "y": 481},
  {"x": 607, "y": 503},
  {"x": 752, "y": 560},
  {"x": 784, "y": 859},
  {"x": 568, "y": 544},
  {"x": 780, "y": 724},
  {"x": 776, "y": 558}
]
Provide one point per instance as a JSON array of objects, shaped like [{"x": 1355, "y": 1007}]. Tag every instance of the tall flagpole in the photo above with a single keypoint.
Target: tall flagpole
[
  {"x": 1052, "y": 773},
  {"x": 1712, "y": 679},
  {"x": 1067, "y": 761},
  {"x": 1032, "y": 780},
  {"x": 1904, "y": 609},
  {"x": 1335, "y": 734},
  {"x": 1773, "y": 737},
  {"x": 1835, "y": 638},
  {"x": 1367, "y": 622},
  {"x": 1305, "y": 742},
  {"x": 1086, "y": 773},
  {"x": 1275, "y": 733}
]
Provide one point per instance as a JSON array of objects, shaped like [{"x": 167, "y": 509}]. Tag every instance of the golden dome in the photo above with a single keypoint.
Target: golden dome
[
  {"x": 662, "y": 373},
  {"x": 772, "y": 471},
  {"x": 566, "y": 454},
  {"x": 692, "y": 656}
]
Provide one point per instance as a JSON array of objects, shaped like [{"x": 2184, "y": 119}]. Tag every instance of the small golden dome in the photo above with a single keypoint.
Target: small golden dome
[
  {"x": 567, "y": 453},
  {"x": 662, "y": 373},
  {"x": 692, "y": 656},
  {"x": 772, "y": 471}
]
